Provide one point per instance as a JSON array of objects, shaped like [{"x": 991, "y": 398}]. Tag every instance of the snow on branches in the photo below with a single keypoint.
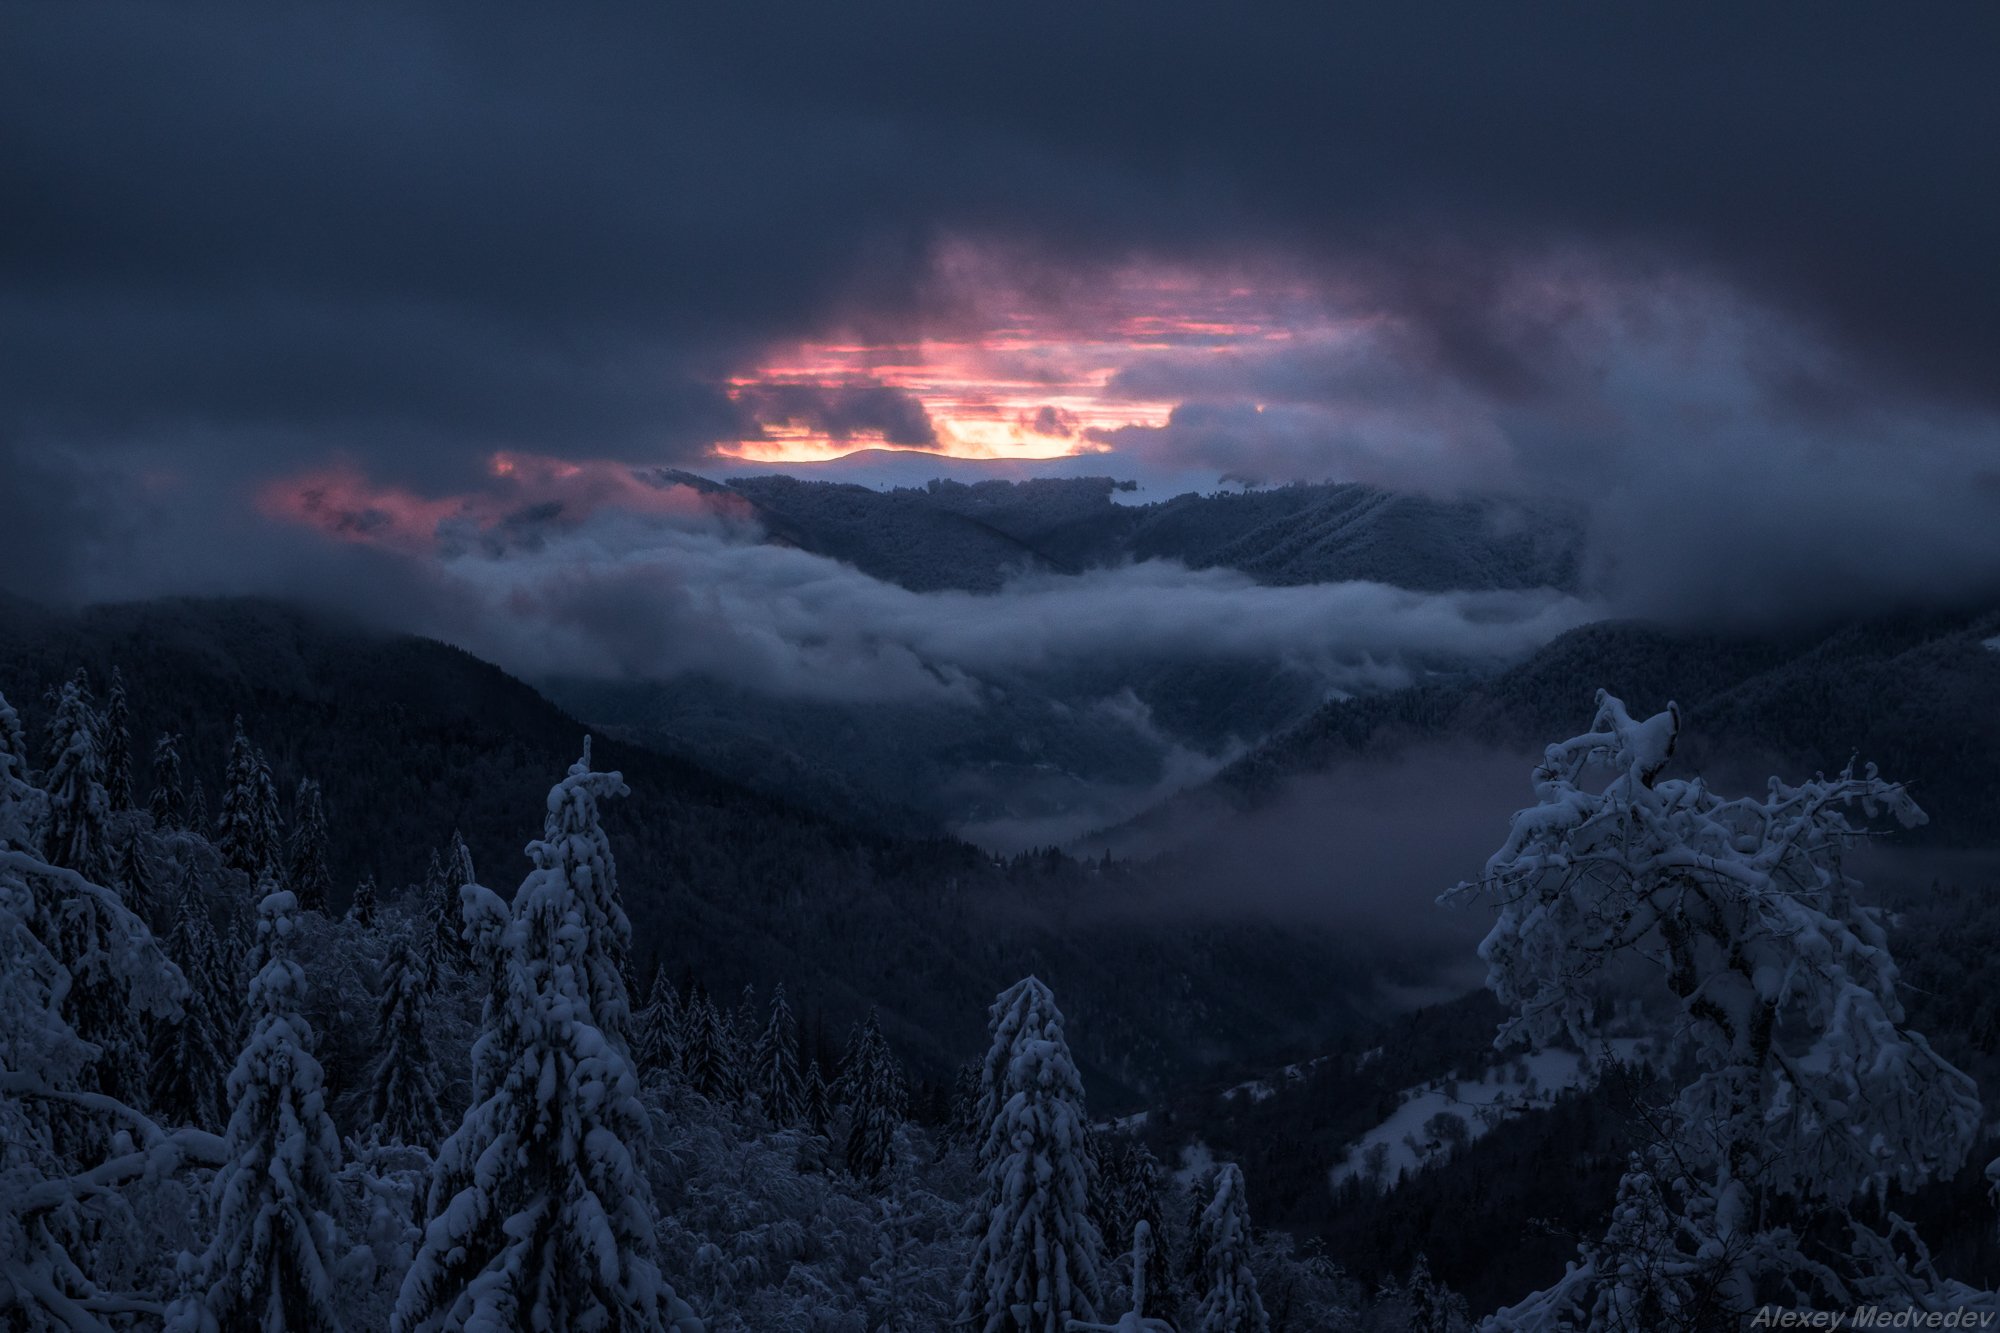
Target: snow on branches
[{"x": 1810, "y": 1087}]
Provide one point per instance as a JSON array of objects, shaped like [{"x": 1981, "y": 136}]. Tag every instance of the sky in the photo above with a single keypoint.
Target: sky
[{"x": 328, "y": 300}]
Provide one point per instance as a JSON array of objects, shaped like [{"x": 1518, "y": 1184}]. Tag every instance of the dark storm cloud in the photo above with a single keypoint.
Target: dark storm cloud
[
  {"x": 842, "y": 411},
  {"x": 413, "y": 235}
]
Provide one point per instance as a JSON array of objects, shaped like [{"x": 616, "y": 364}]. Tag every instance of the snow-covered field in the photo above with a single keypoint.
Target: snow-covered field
[{"x": 1416, "y": 1136}]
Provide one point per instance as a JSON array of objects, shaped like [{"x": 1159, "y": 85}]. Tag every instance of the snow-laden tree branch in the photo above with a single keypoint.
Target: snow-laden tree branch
[{"x": 1811, "y": 1090}]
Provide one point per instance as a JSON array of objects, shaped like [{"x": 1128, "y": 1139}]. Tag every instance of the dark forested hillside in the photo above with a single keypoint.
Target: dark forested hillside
[
  {"x": 411, "y": 739},
  {"x": 1918, "y": 695}
]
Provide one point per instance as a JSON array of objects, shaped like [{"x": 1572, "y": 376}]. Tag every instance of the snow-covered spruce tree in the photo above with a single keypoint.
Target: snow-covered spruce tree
[
  {"x": 309, "y": 879},
  {"x": 1434, "y": 1307},
  {"x": 1134, "y": 1320},
  {"x": 1130, "y": 1189},
  {"x": 168, "y": 802},
  {"x": 192, "y": 1056},
  {"x": 1811, "y": 1093},
  {"x": 1229, "y": 1302},
  {"x": 117, "y": 744},
  {"x": 656, "y": 1034},
  {"x": 452, "y": 873},
  {"x": 13, "y": 743},
  {"x": 1035, "y": 1248},
  {"x": 775, "y": 1074},
  {"x": 73, "y": 778},
  {"x": 135, "y": 881},
  {"x": 708, "y": 1055},
  {"x": 247, "y": 832},
  {"x": 573, "y": 827},
  {"x": 539, "y": 1215},
  {"x": 197, "y": 810},
  {"x": 270, "y": 1264},
  {"x": 875, "y": 1098},
  {"x": 365, "y": 902},
  {"x": 405, "y": 1084},
  {"x": 815, "y": 1100}
]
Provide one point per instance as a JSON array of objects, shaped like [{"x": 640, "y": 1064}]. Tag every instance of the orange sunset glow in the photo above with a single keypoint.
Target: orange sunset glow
[{"x": 1022, "y": 378}]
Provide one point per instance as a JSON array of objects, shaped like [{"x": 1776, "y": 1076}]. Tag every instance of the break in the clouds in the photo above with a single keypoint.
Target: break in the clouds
[{"x": 1727, "y": 284}]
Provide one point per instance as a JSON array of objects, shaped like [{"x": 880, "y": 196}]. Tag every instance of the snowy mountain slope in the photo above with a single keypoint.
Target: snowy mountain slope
[{"x": 951, "y": 534}]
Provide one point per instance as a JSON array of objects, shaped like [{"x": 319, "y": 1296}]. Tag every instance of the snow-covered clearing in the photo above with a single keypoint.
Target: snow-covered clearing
[{"x": 1414, "y": 1137}]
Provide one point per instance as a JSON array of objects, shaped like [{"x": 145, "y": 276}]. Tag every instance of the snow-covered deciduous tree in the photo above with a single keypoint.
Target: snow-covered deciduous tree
[
  {"x": 168, "y": 801},
  {"x": 1229, "y": 1302},
  {"x": 405, "y": 1083},
  {"x": 309, "y": 879},
  {"x": 540, "y": 1217},
  {"x": 1035, "y": 1250},
  {"x": 193, "y": 1054},
  {"x": 1811, "y": 1092},
  {"x": 247, "y": 832},
  {"x": 776, "y": 1071},
  {"x": 874, "y": 1095},
  {"x": 73, "y": 777},
  {"x": 66, "y": 1149},
  {"x": 270, "y": 1265}
]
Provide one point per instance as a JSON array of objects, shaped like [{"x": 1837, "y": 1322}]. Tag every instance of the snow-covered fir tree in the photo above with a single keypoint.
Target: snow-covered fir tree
[
  {"x": 656, "y": 1034},
  {"x": 1131, "y": 1189},
  {"x": 775, "y": 1075},
  {"x": 1229, "y": 1302},
  {"x": 192, "y": 1055},
  {"x": 135, "y": 881},
  {"x": 873, "y": 1093},
  {"x": 1811, "y": 1092},
  {"x": 1436, "y": 1308},
  {"x": 708, "y": 1055},
  {"x": 73, "y": 779},
  {"x": 540, "y": 1217},
  {"x": 405, "y": 1083},
  {"x": 168, "y": 801},
  {"x": 270, "y": 1265},
  {"x": 573, "y": 827},
  {"x": 309, "y": 879},
  {"x": 450, "y": 874},
  {"x": 363, "y": 906},
  {"x": 117, "y": 744},
  {"x": 815, "y": 1100},
  {"x": 197, "y": 809},
  {"x": 14, "y": 743},
  {"x": 247, "y": 831},
  {"x": 1035, "y": 1250}
]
